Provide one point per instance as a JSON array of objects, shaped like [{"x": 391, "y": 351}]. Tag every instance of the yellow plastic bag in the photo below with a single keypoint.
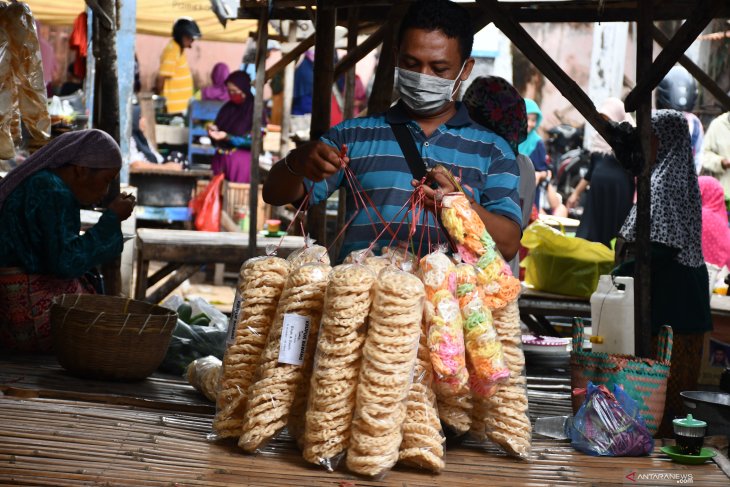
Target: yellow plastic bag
[{"x": 561, "y": 264}]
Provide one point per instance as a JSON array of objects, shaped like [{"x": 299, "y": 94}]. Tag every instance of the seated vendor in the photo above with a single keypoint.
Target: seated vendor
[{"x": 42, "y": 253}]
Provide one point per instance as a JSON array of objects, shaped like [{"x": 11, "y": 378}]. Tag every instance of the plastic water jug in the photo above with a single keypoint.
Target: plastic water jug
[{"x": 612, "y": 315}]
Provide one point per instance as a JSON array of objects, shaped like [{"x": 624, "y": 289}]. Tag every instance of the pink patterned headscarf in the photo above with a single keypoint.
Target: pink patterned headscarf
[{"x": 715, "y": 231}]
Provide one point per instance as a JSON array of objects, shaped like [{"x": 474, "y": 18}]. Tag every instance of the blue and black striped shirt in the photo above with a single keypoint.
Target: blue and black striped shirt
[{"x": 482, "y": 159}]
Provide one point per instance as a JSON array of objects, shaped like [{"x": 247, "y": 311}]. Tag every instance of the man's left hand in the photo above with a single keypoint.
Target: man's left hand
[{"x": 437, "y": 184}]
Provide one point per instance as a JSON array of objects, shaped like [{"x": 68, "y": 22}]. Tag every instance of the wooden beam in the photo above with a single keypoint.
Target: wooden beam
[
  {"x": 382, "y": 92},
  {"x": 360, "y": 51},
  {"x": 564, "y": 83},
  {"x": 324, "y": 71},
  {"x": 642, "y": 270},
  {"x": 685, "y": 36},
  {"x": 256, "y": 135},
  {"x": 181, "y": 275},
  {"x": 708, "y": 83},
  {"x": 289, "y": 57}
]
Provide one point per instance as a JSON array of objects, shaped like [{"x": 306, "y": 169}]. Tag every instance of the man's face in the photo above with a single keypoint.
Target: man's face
[
  {"x": 432, "y": 53},
  {"x": 187, "y": 41}
]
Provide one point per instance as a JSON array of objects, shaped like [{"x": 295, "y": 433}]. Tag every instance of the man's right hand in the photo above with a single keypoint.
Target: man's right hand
[{"x": 316, "y": 160}]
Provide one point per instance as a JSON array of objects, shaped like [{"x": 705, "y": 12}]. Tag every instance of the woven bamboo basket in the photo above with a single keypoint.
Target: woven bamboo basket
[
  {"x": 107, "y": 337},
  {"x": 645, "y": 380}
]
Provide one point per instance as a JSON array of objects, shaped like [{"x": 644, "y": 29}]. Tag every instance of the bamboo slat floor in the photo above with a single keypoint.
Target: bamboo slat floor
[
  {"x": 66, "y": 443},
  {"x": 40, "y": 376}
]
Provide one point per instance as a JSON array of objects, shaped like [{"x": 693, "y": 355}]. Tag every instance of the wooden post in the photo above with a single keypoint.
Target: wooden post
[
  {"x": 288, "y": 94},
  {"x": 685, "y": 36},
  {"x": 382, "y": 94},
  {"x": 642, "y": 274},
  {"x": 256, "y": 138},
  {"x": 106, "y": 109},
  {"x": 321, "y": 99},
  {"x": 348, "y": 111},
  {"x": 708, "y": 83}
]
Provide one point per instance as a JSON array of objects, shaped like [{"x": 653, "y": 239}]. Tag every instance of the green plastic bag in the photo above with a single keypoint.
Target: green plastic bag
[{"x": 561, "y": 264}]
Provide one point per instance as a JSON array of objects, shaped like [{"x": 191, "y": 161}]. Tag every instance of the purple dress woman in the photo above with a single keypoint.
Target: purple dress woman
[
  {"x": 234, "y": 121},
  {"x": 217, "y": 89}
]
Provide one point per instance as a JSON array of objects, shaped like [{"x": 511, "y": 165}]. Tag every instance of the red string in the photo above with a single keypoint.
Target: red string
[{"x": 304, "y": 202}]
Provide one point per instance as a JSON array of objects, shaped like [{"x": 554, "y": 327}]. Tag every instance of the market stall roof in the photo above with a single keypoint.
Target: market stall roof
[{"x": 153, "y": 17}]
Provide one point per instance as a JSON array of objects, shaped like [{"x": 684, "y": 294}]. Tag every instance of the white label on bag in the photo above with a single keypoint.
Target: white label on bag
[{"x": 294, "y": 334}]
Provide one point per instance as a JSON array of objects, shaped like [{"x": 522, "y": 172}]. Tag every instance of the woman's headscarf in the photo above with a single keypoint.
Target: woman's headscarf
[
  {"x": 496, "y": 104},
  {"x": 715, "y": 231},
  {"x": 676, "y": 208},
  {"x": 613, "y": 108},
  {"x": 237, "y": 119},
  {"x": 140, "y": 140},
  {"x": 217, "y": 89},
  {"x": 87, "y": 148},
  {"x": 533, "y": 137}
]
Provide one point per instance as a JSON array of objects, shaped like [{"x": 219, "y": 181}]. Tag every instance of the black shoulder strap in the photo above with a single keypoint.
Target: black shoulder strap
[{"x": 408, "y": 146}]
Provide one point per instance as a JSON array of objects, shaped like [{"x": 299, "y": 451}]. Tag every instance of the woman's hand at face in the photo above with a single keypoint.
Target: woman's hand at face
[{"x": 123, "y": 205}]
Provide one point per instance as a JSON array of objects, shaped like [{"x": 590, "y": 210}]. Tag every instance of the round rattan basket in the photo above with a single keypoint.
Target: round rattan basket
[{"x": 108, "y": 337}]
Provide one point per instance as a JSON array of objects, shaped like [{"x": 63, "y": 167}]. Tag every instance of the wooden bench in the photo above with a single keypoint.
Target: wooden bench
[{"x": 184, "y": 252}]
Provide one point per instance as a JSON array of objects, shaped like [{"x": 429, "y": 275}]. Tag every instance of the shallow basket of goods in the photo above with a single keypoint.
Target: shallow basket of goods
[
  {"x": 643, "y": 379},
  {"x": 108, "y": 337}
]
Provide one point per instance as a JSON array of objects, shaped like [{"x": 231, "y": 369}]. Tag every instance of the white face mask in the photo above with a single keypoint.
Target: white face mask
[{"x": 425, "y": 94}]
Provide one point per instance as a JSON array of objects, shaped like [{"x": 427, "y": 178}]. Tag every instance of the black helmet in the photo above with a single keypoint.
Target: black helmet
[
  {"x": 185, "y": 26},
  {"x": 677, "y": 91}
]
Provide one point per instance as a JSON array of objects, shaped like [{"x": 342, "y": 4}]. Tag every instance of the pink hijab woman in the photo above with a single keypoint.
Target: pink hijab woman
[{"x": 715, "y": 231}]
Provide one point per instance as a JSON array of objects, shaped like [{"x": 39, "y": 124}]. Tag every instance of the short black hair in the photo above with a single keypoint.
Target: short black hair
[{"x": 450, "y": 18}]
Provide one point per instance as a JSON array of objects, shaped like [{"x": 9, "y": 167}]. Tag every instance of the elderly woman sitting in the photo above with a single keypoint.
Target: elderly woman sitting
[{"x": 42, "y": 253}]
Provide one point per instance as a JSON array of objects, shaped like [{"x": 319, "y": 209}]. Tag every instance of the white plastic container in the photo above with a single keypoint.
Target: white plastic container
[{"x": 612, "y": 315}]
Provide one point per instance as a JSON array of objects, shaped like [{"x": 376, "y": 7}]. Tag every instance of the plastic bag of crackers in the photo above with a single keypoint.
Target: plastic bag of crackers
[
  {"x": 385, "y": 376},
  {"x": 337, "y": 362},
  {"x": 445, "y": 339},
  {"x": 499, "y": 414},
  {"x": 277, "y": 396},
  {"x": 260, "y": 284}
]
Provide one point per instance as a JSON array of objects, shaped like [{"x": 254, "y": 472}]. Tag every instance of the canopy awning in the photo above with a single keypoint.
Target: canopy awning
[{"x": 153, "y": 17}]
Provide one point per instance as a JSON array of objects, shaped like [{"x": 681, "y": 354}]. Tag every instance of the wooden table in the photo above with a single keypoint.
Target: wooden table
[
  {"x": 61, "y": 431},
  {"x": 536, "y": 305},
  {"x": 184, "y": 252}
]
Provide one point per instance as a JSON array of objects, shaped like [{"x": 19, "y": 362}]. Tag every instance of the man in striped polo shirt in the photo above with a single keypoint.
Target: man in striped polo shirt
[{"x": 433, "y": 60}]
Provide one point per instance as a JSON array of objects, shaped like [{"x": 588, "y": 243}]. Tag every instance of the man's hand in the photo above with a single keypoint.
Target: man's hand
[
  {"x": 572, "y": 201},
  {"x": 316, "y": 160},
  {"x": 437, "y": 184},
  {"x": 123, "y": 205},
  {"x": 726, "y": 163}
]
